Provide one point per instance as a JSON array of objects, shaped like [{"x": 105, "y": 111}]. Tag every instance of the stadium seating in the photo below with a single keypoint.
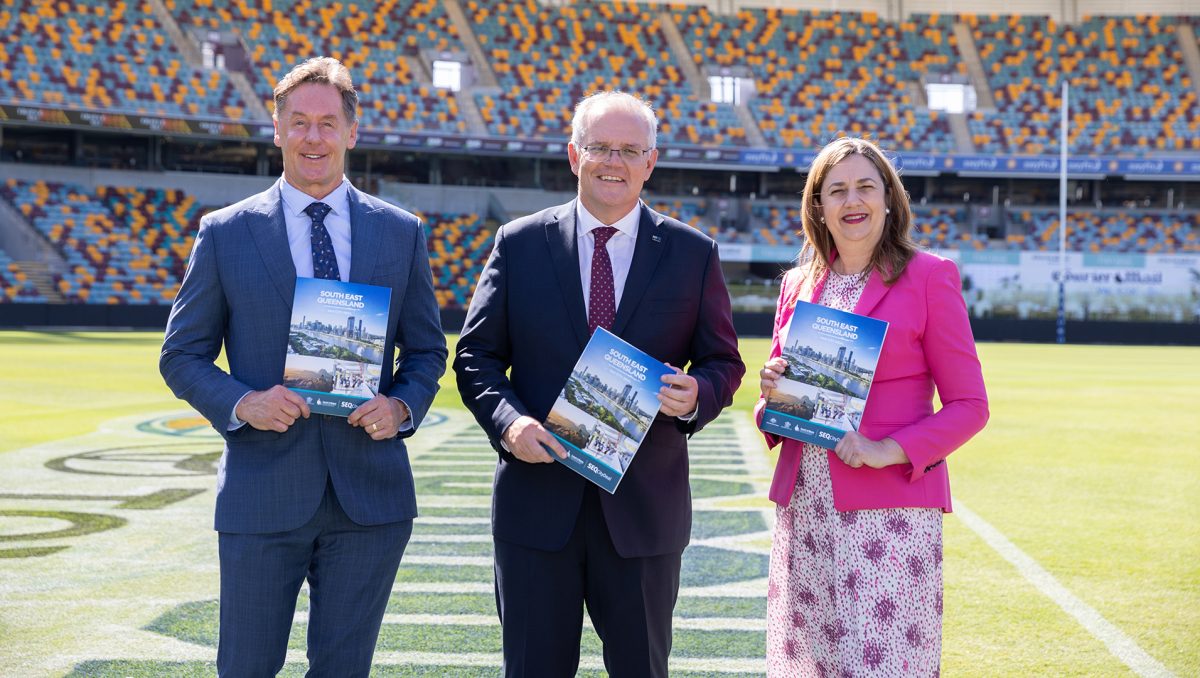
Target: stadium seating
[
  {"x": 14, "y": 283},
  {"x": 131, "y": 245},
  {"x": 121, "y": 245},
  {"x": 818, "y": 74},
  {"x": 546, "y": 58},
  {"x": 1149, "y": 231},
  {"x": 459, "y": 245},
  {"x": 372, "y": 38},
  {"x": 1130, "y": 91},
  {"x": 824, "y": 73},
  {"x": 111, "y": 56}
]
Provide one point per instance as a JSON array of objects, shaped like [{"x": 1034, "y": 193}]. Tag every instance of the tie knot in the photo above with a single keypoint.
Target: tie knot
[
  {"x": 602, "y": 234},
  {"x": 317, "y": 211}
]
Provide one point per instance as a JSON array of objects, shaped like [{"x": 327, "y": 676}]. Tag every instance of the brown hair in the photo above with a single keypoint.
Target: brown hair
[
  {"x": 896, "y": 246},
  {"x": 324, "y": 71}
]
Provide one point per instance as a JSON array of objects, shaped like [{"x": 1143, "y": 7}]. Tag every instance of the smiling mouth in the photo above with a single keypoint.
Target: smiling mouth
[
  {"x": 311, "y": 156},
  {"x": 854, "y": 218},
  {"x": 611, "y": 179}
]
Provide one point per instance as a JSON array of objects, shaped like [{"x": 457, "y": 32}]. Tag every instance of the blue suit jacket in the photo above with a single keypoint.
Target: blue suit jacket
[
  {"x": 528, "y": 315},
  {"x": 237, "y": 293}
]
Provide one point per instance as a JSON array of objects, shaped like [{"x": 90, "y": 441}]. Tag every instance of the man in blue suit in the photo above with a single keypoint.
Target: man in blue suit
[
  {"x": 323, "y": 498},
  {"x": 602, "y": 260}
]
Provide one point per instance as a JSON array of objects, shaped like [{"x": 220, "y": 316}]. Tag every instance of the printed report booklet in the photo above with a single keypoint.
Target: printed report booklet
[
  {"x": 335, "y": 348},
  {"x": 831, "y": 357},
  {"x": 606, "y": 408}
]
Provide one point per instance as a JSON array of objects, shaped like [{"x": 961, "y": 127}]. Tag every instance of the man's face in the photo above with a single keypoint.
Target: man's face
[
  {"x": 609, "y": 185},
  {"x": 314, "y": 135}
]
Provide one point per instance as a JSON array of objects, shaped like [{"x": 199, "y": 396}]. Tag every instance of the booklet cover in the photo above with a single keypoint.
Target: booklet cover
[
  {"x": 335, "y": 344},
  {"x": 606, "y": 408},
  {"x": 831, "y": 357}
]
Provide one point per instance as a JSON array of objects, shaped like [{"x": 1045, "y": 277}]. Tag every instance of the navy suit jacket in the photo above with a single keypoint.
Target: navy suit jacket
[
  {"x": 528, "y": 316},
  {"x": 237, "y": 293}
]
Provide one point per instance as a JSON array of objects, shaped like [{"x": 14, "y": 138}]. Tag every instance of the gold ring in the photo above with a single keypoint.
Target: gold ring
[{"x": 374, "y": 428}]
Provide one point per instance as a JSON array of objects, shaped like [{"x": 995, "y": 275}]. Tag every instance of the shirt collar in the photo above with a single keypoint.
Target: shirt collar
[
  {"x": 628, "y": 224},
  {"x": 296, "y": 200}
]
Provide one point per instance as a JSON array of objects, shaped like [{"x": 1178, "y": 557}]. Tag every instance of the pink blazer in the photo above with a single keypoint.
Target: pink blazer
[{"x": 928, "y": 344}]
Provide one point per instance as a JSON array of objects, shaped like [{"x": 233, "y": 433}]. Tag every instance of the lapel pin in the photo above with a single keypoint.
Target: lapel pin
[{"x": 656, "y": 238}]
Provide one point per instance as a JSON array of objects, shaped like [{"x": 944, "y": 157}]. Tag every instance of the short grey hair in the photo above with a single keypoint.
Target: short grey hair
[{"x": 612, "y": 100}]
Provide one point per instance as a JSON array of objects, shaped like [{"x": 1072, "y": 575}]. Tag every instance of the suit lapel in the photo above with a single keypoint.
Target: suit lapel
[
  {"x": 364, "y": 237},
  {"x": 651, "y": 241},
  {"x": 564, "y": 255},
  {"x": 871, "y": 294},
  {"x": 269, "y": 231}
]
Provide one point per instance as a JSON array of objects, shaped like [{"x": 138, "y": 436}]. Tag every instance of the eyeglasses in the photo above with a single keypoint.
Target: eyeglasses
[{"x": 602, "y": 152}]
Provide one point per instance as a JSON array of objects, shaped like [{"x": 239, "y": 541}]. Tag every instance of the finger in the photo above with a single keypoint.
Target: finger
[
  {"x": 363, "y": 411},
  {"x": 291, "y": 397},
  {"x": 548, "y": 444},
  {"x": 678, "y": 380},
  {"x": 289, "y": 410}
]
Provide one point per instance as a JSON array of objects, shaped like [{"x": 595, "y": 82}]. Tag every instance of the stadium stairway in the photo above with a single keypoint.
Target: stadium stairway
[
  {"x": 1190, "y": 48},
  {"x": 191, "y": 54},
  {"x": 38, "y": 274}
]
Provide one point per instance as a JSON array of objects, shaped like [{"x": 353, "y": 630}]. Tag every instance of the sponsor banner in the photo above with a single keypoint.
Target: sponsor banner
[
  {"x": 732, "y": 252},
  {"x": 1142, "y": 287},
  {"x": 136, "y": 122},
  {"x": 772, "y": 158}
]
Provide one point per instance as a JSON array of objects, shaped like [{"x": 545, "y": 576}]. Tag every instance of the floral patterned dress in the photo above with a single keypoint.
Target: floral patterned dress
[{"x": 857, "y": 593}]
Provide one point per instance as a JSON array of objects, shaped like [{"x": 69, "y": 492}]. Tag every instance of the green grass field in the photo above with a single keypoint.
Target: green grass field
[{"x": 1090, "y": 466}]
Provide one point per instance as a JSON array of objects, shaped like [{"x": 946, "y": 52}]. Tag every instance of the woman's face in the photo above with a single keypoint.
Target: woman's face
[{"x": 854, "y": 204}]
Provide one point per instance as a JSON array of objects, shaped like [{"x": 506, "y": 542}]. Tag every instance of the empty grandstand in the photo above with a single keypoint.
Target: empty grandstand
[{"x": 118, "y": 118}]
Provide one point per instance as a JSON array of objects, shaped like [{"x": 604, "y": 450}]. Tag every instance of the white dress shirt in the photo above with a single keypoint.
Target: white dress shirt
[
  {"x": 620, "y": 249},
  {"x": 620, "y": 252},
  {"x": 299, "y": 226},
  {"x": 299, "y": 235}
]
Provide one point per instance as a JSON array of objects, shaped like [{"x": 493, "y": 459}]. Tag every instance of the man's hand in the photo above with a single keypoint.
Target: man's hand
[
  {"x": 274, "y": 409},
  {"x": 678, "y": 394},
  {"x": 380, "y": 417},
  {"x": 525, "y": 438}
]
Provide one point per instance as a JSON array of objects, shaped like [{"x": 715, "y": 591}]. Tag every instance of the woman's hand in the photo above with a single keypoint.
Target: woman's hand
[
  {"x": 769, "y": 375},
  {"x": 856, "y": 450}
]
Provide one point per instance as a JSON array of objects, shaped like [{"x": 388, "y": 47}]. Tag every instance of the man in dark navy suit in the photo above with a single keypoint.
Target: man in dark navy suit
[
  {"x": 323, "y": 498},
  {"x": 604, "y": 259}
]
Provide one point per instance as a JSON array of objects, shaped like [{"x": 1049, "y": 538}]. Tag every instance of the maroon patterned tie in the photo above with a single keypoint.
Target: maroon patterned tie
[{"x": 602, "y": 304}]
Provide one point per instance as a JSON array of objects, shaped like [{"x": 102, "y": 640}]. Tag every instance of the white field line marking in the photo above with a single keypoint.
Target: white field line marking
[
  {"x": 687, "y": 623},
  {"x": 451, "y": 520},
  {"x": 443, "y": 587},
  {"x": 754, "y": 588},
  {"x": 448, "y": 561},
  {"x": 1120, "y": 645},
  {"x": 588, "y": 663},
  {"x": 452, "y": 501},
  {"x": 450, "y": 539}
]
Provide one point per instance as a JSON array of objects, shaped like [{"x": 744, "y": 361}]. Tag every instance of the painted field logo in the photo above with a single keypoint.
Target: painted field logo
[{"x": 179, "y": 425}]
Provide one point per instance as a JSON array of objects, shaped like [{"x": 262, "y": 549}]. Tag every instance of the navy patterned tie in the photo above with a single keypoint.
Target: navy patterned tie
[
  {"x": 602, "y": 304},
  {"x": 324, "y": 260}
]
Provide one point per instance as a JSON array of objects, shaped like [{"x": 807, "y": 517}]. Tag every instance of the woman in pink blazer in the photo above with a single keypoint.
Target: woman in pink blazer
[{"x": 855, "y": 581}]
